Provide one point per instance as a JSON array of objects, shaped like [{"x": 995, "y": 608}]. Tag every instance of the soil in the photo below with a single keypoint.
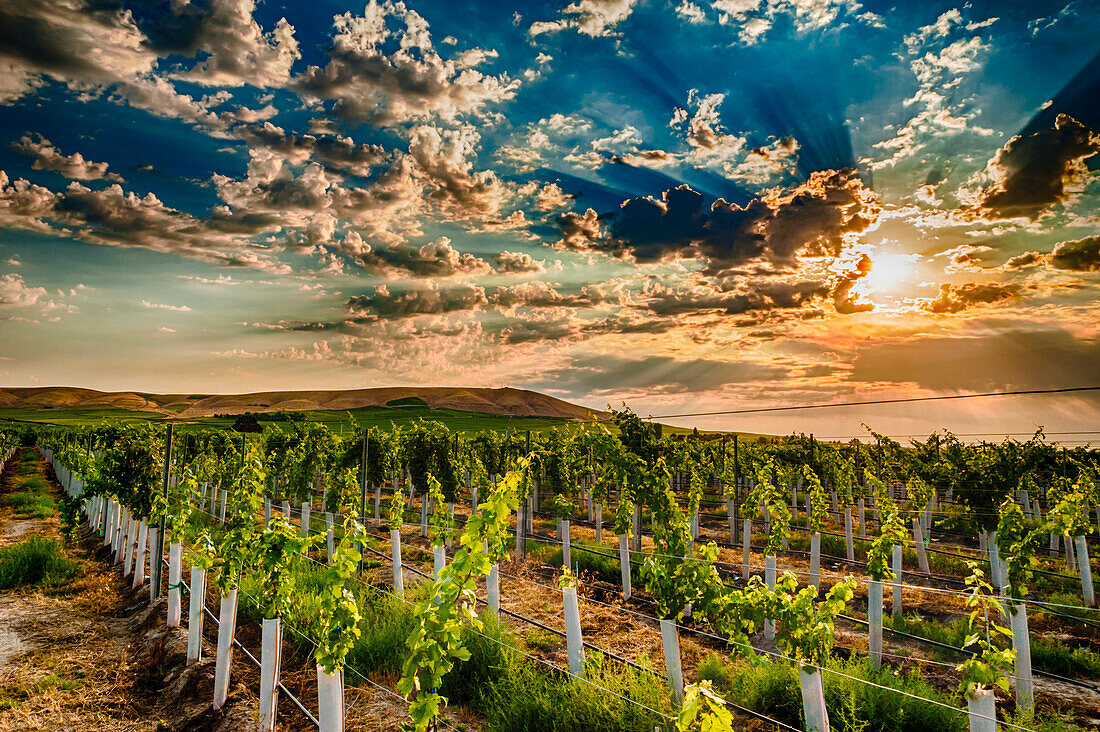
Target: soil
[{"x": 94, "y": 654}]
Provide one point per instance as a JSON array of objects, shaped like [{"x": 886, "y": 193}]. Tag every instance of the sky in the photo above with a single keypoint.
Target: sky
[{"x": 684, "y": 205}]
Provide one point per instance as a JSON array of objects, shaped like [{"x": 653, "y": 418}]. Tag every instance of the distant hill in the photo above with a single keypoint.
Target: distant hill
[{"x": 506, "y": 401}]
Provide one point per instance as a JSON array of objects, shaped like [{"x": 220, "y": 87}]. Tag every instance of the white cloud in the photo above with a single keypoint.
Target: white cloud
[
  {"x": 941, "y": 58},
  {"x": 163, "y": 306},
  {"x": 592, "y": 18},
  {"x": 238, "y": 51},
  {"x": 691, "y": 12},
  {"x": 48, "y": 157},
  {"x": 14, "y": 292},
  {"x": 412, "y": 83}
]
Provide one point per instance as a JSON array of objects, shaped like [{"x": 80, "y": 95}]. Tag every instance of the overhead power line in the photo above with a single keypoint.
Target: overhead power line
[{"x": 757, "y": 410}]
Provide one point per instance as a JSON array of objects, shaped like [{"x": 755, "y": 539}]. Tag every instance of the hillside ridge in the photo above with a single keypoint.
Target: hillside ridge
[{"x": 505, "y": 401}]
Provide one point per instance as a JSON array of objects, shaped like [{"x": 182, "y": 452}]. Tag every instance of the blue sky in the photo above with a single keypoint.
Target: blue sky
[{"x": 684, "y": 204}]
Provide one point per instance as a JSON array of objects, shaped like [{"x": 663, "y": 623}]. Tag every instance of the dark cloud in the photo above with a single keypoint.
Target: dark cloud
[
  {"x": 545, "y": 295},
  {"x": 71, "y": 41},
  {"x": 1027, "y": 259},
  {"x": 390, "y": 305},
  {"x": 665, "y": 301},
  {"x": 957, "y": 298},
  {"x": 236, "y": 49},
  {"x": 809, "y": 220},
  {"x": 845, "y": 302},
  {"x": 997, "y": 356},
  {"x": 1034, "y": 172},
  {"x": 434, "y": 259},
  {"x": 1082, "y": 255},
  {"x": 334, "y": 152},
  {"x": 934, "y": 177}
]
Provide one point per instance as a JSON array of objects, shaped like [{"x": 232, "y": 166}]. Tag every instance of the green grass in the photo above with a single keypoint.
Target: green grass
[
  {"x": 35, "y": 561},
  {"x": 606, "y": 568},
  {"x": 76, "y": 416},
  {"x": 1074, "y": 606},
  {"x": 13, "y": 697},
  {"x": 953, "y": 634},
  {"x": 30, "y": 505},
  {"x": 410, "y": 401},
  {"x": 771, "y": 687},
  {"x": 1058, "y": 658},
  {"x": 540, "y": 640},
  {"x": 31, "y": 497},
  {"x": 498, "y": 682}
]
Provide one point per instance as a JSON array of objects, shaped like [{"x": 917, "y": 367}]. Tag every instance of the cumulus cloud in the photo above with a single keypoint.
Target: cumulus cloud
[
  {"x": 954, "y": 299},
  {"x": 704, "y": 297},
  {"x": 845, "y": 300},
  {"x": 368, "y": 82},
  {"x": 48, "y": 157},
  {"x": 237, "y": 51},
  {"x": 433, "y": 301},
  {"x": 551, "y": 197},
  {"x": 545, "y": 295},
  {"x": 71, "y": 41},
  {"x": 813, "y": 219},
  {"x": 592, "y": 18},
  {"x": 1027, "y": 259},
  {"x": 1081, "y": 255},
  {"x": 711, "y": 146},
  {"x": 434, "y": 259},
  {"x": 91, "y": 47},
  {"x": 580, "y": 231},
  {"x": 516, "y": 263},
  {"x": 1033, "y": 173},
  {"x": 15, "y": 293},
  {"x": 444, "y": 157},
  {"x": 337, "y": 153},
  {"x": 115, "y": 217}
]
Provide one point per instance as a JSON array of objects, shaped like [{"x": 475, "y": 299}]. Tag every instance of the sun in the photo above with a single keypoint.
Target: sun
[{"x": 888, "y": 272}]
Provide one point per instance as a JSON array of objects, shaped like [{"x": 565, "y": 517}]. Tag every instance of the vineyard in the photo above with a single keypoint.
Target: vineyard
[{"x": 606, "y": 577}]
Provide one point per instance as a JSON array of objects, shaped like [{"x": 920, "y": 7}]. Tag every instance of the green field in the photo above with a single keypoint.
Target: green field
[
  {"x": 382, "y": 417},
  {"x": 337, "y": 421}
]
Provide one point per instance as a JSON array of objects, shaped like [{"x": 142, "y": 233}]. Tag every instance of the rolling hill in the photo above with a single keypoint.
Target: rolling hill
[{"x": 504, "y": 402}]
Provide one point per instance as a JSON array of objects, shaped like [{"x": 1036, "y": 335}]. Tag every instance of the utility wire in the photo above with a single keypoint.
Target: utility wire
[{"x": 906, "y": 400}]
